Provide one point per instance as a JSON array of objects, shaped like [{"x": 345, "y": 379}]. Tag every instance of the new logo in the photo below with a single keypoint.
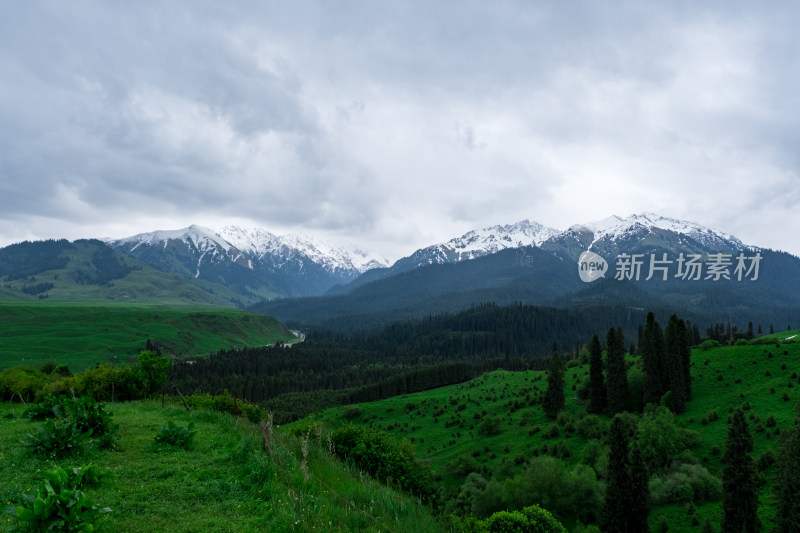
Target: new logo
[{"x": 591, "y": 267}]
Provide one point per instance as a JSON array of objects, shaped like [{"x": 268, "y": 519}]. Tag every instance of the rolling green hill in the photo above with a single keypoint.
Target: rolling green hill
[
  {"x": 91, "y": 271},
  {"x": 494, "y": 425},
  {"x": 225, "y": 482},
  {"x": 81, "y": 334}
]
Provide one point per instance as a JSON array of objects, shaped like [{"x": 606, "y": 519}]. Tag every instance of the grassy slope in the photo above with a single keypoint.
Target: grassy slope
[
  {"x": 226, "y": 483},
  {"x": 496, "y": 392},
  {"x": 81, "y": 334},
  {"x": 143, "y": 284}
]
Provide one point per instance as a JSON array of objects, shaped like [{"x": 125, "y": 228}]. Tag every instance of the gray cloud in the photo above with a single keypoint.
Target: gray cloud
[{"x": 396, "y": 124}]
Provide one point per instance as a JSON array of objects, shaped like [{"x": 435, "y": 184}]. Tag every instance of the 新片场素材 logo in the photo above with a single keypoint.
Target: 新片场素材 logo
[{"x": 685, "y": 267}]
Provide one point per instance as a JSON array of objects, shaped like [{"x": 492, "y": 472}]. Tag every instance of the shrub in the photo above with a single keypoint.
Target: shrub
[
  {"x": 532, "y": 519},
  {"x": 46, "y": 408},
  {"x": 591, "y": 427},
  {"x": 61, "y": 504},
  {"x": 173, "y": 435},
  {"x": 685, "y": 483},
  {"x": 55, "y": 438},
  {"x": 21, "y": 383},
  {"x": 352, "y": 412},
  {"x": 384, "y": 458},
  {"x": 490, "y": 426}
]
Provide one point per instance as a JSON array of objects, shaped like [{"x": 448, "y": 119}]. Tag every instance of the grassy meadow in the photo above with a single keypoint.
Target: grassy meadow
[
  {"x": 224, "y": 482},
  {"x": 81, "y": 334},
  {"x": 444, "y": 424}
]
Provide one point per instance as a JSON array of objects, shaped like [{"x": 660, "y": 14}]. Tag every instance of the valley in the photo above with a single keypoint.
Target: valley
[{"x": 461, "y": 378}]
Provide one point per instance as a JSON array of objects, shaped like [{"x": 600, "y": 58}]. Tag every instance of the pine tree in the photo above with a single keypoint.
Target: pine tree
[
  {"x": 676, "y": 382},
  {"x": 739, "y": 491},
  {"x": 597, "y": 389},
  {"x": 639, "y": 505},
  {"x": 613, "y": 518},
  {"x": 787, "y": 483},
  {"x": 553, "y": 401},
  {"x": 655, "y": 366},
  {"x": 617, "y": 372},
  {"x": 685, "y": 350}
]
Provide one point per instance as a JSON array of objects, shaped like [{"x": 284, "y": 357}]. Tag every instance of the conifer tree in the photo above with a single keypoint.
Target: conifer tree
[
  {"x": 616, "y": 370},
  {"x": 639, "y": 505},
  {"x": 553, "y": 401},
  {"x": 597, "y": 389},
  {"x": 787, "y": 483},
  {"x": 739, "y": 491},
  {"x": 655, "y": 367},
  {"x": 676, "y": 381},
  {"x": 684, "y": 347},
  {"x": 613, "y": 517}
]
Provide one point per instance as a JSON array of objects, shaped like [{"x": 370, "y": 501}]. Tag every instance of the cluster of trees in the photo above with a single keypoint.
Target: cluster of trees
[
  {"x": 26, "y": 259},
  {"x": 666, "y": 360}
]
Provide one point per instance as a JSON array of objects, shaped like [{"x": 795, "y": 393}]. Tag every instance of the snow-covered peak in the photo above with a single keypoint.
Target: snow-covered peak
[
  {"x": 257, "y": 241},
  {"x": 615, "y": 227},
  {"x": 342, "y": 255},
  {"x": 198, "y": 236},
  {"x": 495, "y": 238},
  {"x": 261, "y": 242}
]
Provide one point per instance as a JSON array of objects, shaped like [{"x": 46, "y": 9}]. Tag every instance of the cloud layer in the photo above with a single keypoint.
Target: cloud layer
[{"x": 396, "y": 125}]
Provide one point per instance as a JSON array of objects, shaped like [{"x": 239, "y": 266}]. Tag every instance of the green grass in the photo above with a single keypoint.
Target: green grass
[
  {"x": 226, "y": 482},
  {"x": 412, "y": 417},
  {"x": 82, "y": 334}
]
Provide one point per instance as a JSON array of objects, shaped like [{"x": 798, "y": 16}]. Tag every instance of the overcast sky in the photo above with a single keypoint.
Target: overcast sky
[{"x": 395, "y": 125}]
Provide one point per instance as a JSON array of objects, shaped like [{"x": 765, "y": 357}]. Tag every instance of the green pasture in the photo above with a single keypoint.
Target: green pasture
[{"x": 81, "y": 334}]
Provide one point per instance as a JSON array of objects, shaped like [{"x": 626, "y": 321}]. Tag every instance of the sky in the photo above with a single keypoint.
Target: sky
[{"x": 396, "y": 125}]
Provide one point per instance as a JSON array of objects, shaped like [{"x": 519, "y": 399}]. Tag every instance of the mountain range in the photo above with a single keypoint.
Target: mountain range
[{"x": 305, "y": 282}]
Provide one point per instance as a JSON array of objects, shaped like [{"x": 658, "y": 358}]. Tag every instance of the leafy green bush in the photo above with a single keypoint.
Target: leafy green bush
[
  {"x": 384, "y": 458},
  {"x": 56, "y": 438},
  {"x": 684, "y": 484},
  {"x": 85, "y": 414},
  {"x": 61, "y": 504},
  {"x": 21, "y": 383},
  {"x": 591, "y": 427},
  {"x": 47, "y": 407},
  {"x": 531, "y": 519},
  {"x": 490, "y": 426},
  {"x": 547, "y": 481},
  {"x": 226, "y": 403},
  {"x": 176, "y": 436}
]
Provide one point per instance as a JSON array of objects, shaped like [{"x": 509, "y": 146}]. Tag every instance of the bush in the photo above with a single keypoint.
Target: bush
[
  {"x": 226, "y": 403},
  {"x": 61, "y": 504},
  {"x": 383, "y": 458},
  {"x": 88, "y": 417},
  {"x": 55, "y": 438},
  {"x": 490, "y": 426},
  {"x": 173, "y": 435},
  {"x": 591, "y": 427},
  {"x": 531, "y": 519},
  {"x": 21, "y": 382},
  {"x": 685, "y": 484}
]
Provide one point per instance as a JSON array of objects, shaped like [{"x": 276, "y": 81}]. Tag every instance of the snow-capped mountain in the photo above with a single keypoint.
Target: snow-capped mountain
[
  {"x": 261, "y": 243},
  {"x": 255, "y": 263},
  {"x": 252, "y": 262},
  {"x": 527, "y": 263},
  {"x": 478, "y": 243},
  {"x": 615, "y": 228}
]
